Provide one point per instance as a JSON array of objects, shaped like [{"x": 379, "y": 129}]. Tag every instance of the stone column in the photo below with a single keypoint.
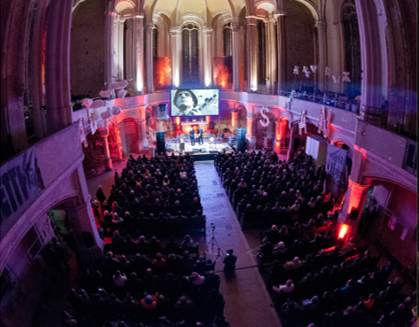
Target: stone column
[
  {"x": 355, "y": 197},
  {"x": 236, "y": 50},
  {"x": 121, "y": 36},
  {"x": 282, "y": 47},
  {"x": 290, "y": 155},
  {"x": 104, "y": 133},
  {"x": 129, "y": 56},
  {"x": 322, "y": 61},
  {"x": 81, "y": 220},
  {"x": 141, "y": 128},
  {"x": 280, "y": 127},
  {"x": 234, "y": 115},
  {"x": 207, "y": 56},
  {"x": 149, "y": 58},
  {"x": 175, "y": 35},
  {"x": 371, "y": 97},
  {"x": 109, "y": 39},
  {"x": 250, "y": 132},
  {"x": 36, "y": 63},
  {"x": 57, "y": 66},
  {"x": 138, "y": 54},
  {"x": 271, "y": 55},
  {"x": 252, "y": 54},
  {"x": 115, "y": 48}
]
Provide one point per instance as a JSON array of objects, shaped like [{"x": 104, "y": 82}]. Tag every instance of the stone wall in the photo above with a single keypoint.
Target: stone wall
[{"x": 87, "y": 49}]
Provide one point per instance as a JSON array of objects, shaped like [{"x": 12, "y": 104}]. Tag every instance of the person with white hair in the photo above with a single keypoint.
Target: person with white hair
[{"x": 288, "y": 287}]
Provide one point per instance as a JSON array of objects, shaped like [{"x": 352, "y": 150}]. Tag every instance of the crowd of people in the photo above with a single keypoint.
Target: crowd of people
[
  {"x": 314, "y": 279},
  {"x": 147, "y": 280},
  {"x": 265, "y": 190},
  {"x": 157, "y": 195}
]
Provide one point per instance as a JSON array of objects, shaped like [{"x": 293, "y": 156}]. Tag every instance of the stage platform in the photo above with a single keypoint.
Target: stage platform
[{"x": 201, "y": 152}]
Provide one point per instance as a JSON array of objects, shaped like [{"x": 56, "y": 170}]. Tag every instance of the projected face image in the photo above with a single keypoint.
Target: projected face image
[
  {"x": 184, "y": 100},
  {"x": 194, "y": 102}
]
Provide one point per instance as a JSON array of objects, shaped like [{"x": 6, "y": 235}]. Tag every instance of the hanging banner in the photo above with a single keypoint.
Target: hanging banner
[
  {"x": 20, "y": 184},
  {"x": 336, "y": 164}
]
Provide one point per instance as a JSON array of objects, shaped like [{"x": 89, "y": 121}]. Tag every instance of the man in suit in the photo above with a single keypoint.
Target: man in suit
[
  {"x": 192, "y": 136},
  {"x": 200, "y": 135}
]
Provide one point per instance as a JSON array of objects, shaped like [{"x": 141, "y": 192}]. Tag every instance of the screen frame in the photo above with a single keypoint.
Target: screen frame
[{"x": 193, "y": 90}]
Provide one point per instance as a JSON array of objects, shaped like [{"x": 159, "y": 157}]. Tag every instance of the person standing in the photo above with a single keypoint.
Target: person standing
[
  {"x": 192, "y": 136},
  {"x": 229, "y": 264},
  {"x": 200, "y": 136}
]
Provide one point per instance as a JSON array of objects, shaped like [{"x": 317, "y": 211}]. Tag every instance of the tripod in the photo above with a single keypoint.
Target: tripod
[{"x": 213, "y": 242}]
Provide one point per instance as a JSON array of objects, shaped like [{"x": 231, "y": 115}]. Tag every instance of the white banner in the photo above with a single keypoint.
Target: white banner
[{"x": 336, "y": 164}]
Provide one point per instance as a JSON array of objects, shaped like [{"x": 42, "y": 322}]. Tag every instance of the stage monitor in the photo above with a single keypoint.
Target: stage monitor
[{"x": 194, "y": 102}]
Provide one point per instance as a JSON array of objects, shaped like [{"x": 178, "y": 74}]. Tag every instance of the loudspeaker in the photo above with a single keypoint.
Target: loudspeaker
[
  {"x": 182, "y": 146},
  {"x": 87, "y": 239},
  {"x": 203, "y": 150},
  {"x": 161, "y": 148},
  {"x": 354, "y": 214},
  {"x": 195, "y": 150},
  {"x": 159, "y": 112},
  {"x": 213, "y": 151},
  {"x": 241, "y": 140}
]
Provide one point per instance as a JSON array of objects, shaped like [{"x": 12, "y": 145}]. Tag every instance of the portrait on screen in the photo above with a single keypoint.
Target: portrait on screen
[{"x": 194, "y": 102}]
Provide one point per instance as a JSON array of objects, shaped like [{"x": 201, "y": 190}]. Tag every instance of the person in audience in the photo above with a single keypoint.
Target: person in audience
[
  {"x": 229, "y": 263},
  {"x": 196, "y": 279},
  {"x": 288, "y": 287}
]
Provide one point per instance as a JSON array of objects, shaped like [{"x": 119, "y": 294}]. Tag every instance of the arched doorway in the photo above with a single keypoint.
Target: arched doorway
[{"x": 129, "y": 135}]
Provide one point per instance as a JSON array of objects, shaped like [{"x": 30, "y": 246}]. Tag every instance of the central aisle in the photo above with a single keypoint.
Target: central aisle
[{"x": 248, "y": 303}]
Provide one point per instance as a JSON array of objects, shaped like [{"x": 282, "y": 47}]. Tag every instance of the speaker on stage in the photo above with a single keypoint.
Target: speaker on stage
[
  {"x": 241, "y": 140},
  {"x": 195, "y": 150},
  {"x": 203, "y": 150},
  {"x": 161, "y": 148}
]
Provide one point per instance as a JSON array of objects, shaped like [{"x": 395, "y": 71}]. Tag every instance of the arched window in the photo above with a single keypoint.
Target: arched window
[
  {"x": 155, "y": 39},
  {"x": 227, "y": 40},
  {"x": 261, "y": 53},
  {"x": 352, "y": 49},
  {"x": 190, "y": 54},
  {"x": 228, "y": 51}
]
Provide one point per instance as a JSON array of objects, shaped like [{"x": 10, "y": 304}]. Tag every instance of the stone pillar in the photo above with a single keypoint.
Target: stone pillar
[
  {"x": 142, "y": 129},
  {"x": 129, "y": 56},
  {"x": 149, "y": 58},
  {"x": 36, "y": 64},
  {"x": 234, "y": 115},
  {"x": 270, "y": 55},
  {"x": 236, "y": 50},
  {"x": 175, "y": 35},
  {"x": 81, "y": 220},
  {"x": 115, "y": 48},
  {"x": 104, "y": 133},
  {"x": 355, "y": 197},
  {"x": 138, "y": 54},
  {"x": 282, "y": 47},
  {"x": 57, "y": 66},
  {"x": 290, "y": 155},
  {"x": 280, "y": 127},
  {"x": 207, "y": 56},
  {"x": 109, "y": 39},
  {"x": 322, "y": 60},
  {"x": 252, "y": 54},
  {"x": 371, "y": 96}
]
